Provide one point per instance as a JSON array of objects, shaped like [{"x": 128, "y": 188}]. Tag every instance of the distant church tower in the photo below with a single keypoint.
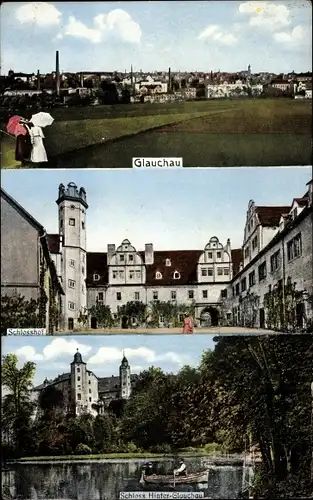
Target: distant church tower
[
  {"x": 72, "y": 205},
  {"x": 125, "y": 385},
  {"x": 79, "y": 384}
]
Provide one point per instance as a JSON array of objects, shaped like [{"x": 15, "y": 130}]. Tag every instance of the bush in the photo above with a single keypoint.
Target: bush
[
  {"x": 161, "y": 448},
  {"x": 131, "y": 448},
  {"x": 83, "y": 449}
]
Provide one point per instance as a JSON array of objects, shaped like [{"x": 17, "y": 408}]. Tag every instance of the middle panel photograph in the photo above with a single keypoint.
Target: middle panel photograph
[{"x": 199, "y": 251}]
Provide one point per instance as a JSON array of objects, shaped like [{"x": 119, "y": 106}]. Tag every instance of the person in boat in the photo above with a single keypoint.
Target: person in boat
[
  {"x": 149, "y": 470},
  {"x": 182, "y": 470}
]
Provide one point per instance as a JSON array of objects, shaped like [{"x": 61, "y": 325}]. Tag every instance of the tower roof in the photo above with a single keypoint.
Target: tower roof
[
  {"x": 124, "y": 360},
  {"x": 72, "y": 193},
  {"x": 78, "y": 358}
]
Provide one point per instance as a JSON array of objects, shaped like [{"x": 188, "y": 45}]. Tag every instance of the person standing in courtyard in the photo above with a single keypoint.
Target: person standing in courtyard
[{"x": 188, "y": 324}]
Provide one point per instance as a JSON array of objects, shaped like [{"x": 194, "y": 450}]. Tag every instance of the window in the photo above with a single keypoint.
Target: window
[
  {"x": 158, "y": 275},
  {"x": 275, "y": 261},
  {"x": 72, "y": 207},
  {"x": 78, "y": 379},
  {"x": 224, "y": 294},
  {"x": 71, "y": 283},
  {"x": 96, "y": 277},
  {"x": 137, "y": 296},
  {"x": 71, "y": 221},
  {"x": 100, "y": 296},
  {"x": 89, "y": 381},
  {"x": 237, "y": 289},
  {"x": 61, "y": 223},
  {"x": 122, "y": 258},
  {"x": 83, "y": 225},
  {"x": 83, "y": 270},
  {"x": 218, "y": 255},
  {"x": 210, "y": 255},
  {"x": 131, "y": 275},
  {"x": 138, "y": 275},
  {"x": 204, "y": 272},
  {"x": 262, "y": 271},
  {"x": 226, "y": 271},
  {"x": 205, "y": 294},
  {"x": 247, "y": 252},
  {"x": 173, "y": 295},
  {"x": 131, "y": 258},
  {"x": 79, "y": 397},
  {"x": 294, "y": 247},
  {"x": 72, "y": 263},
  {"x": 168, "y": 263},
  {"x": 78, "y": 370},
  {"x": 254, "y": 243},
  {"x": 190, "y": 294},
  {"x": 121, "y": 275},
  {"x": 252, "y": 278},
  {"x": 83, "y": 257},
  {"x": 210, "y": 272},
  {"x": 89, "y": 391},
  {"x": 118, "y": 296},
  {"x": 176, "y": 275},
  {"x": 90, "y": 400},
  {"x": 155, "y": 295},
  {"x": 114, "y": 274},
  {"x": 219, "y": 271},
  {"x": 243, "y": 284}
]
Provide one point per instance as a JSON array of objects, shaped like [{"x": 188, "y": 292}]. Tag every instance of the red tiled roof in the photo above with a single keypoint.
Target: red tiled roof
[
  {"x": 183, "y": 261},
  {"x": 270, "y": 216},
  {"x": 54, "y": 243}
]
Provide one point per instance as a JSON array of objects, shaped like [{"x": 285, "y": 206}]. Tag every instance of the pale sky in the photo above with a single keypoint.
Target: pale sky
[
  {"x": 177, "y": 209},
  {"x": 194, "y": 36},
  {"x": 103, "y": 354}
]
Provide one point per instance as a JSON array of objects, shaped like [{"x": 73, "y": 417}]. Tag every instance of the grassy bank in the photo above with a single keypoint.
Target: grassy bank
[{"x": 211, "y": 449}]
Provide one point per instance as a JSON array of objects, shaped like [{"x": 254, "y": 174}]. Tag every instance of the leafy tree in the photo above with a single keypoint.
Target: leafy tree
[
  {"x": 103, "y": 315},
  {"x": 18, "y": 312},
  {"x": 133, "y": 310}
]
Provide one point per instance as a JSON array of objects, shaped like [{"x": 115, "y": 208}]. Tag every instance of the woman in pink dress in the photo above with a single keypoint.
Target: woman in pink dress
[{"x": 188, "y": 326}]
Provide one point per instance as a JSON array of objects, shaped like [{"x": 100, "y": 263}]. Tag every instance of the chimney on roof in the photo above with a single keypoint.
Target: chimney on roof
[
  {"x": 82, "y": 79},
  {"x": 149, "y": 254},
  {"x": 110, "y": 252},
  {"x": 228, "y": 247},
  {"x": 57, "y": 72}
]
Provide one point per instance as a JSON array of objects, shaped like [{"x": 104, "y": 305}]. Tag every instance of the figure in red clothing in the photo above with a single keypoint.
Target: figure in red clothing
[{"x": 188, "y": 325}]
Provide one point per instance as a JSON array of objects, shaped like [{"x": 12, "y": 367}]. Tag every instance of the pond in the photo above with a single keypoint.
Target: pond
[{"x": 103, "y": 480}]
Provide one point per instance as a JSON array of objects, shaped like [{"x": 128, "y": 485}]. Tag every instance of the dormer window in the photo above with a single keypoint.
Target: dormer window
[
  {"x": 176, "y": 275},
  {"x": 96, "y": 277},
  {"x": 168, "y": 263},
  {"x": 158, "y": 275}
]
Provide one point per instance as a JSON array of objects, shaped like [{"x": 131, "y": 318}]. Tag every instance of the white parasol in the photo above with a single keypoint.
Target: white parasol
[{"x": 42, "y": 119}]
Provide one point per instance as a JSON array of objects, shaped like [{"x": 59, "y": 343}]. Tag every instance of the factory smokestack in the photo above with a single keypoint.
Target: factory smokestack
[
  {"x": 169, "y": 80},
  {"x": 38, "y": 79},
  {"x": 57, "y": 72}
]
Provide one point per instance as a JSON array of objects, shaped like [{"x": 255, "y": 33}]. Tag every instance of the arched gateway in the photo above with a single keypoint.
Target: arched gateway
[{"x": 209, "y": 317}]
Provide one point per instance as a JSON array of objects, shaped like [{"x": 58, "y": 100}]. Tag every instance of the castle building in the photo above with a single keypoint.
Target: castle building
[
  {"x": 219, "y": 282},
  {"x": 84, "y": 392}
]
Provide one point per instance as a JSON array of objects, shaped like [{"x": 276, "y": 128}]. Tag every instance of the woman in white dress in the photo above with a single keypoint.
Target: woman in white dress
[{"x": 38, "y": 154}]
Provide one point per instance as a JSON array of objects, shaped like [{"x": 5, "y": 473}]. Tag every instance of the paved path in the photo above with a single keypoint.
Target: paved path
[{"x": 227, "y": 330}]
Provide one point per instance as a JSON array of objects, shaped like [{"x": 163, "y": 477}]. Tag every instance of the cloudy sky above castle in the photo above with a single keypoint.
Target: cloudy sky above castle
[
  {"x": 103, "y": 354},
  {"x": 179, "y": 209},
  {"x": 106, "y": 36}
]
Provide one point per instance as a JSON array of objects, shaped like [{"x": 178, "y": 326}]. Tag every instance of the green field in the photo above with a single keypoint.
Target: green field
[{"x": 205, "y": 133}]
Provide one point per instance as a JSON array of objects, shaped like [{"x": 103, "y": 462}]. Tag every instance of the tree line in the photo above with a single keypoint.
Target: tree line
[{"x": 255, "y": 388}]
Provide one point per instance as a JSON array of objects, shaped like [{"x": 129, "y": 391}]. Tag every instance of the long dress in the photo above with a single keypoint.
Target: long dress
[
  {"x": 23, "y": 147},
  {"x": 38, "y": 154},
  {"x": 188, "y": 328}
]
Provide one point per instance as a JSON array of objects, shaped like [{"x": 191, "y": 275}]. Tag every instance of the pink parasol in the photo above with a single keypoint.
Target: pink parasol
[{"x": 14, "y": 126}]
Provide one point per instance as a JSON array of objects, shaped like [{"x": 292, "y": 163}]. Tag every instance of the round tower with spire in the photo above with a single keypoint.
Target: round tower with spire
[
  {"x": 72, "y": 204},
  {"x": 79, "y": 384},
  {"x": 125, "y": 385}
]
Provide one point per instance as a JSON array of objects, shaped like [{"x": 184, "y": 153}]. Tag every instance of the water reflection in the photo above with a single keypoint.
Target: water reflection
[{"x": 104, "y": 481}]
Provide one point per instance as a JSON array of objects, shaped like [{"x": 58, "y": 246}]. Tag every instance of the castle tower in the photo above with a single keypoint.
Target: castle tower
[
  {"x": 79, "y": 388},
  {"x": 125, "y": 386},
  {"x": 72, "y": 205}
]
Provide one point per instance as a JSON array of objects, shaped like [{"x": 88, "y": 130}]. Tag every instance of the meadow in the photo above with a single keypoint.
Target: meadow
[{"x": 250, "y": 132}]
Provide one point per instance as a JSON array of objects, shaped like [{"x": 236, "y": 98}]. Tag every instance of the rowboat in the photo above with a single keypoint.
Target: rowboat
[{"x": 195, "y": 477}]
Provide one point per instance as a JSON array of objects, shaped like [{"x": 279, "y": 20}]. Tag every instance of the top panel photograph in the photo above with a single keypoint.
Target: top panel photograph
[{"x": 156, "y": 84}]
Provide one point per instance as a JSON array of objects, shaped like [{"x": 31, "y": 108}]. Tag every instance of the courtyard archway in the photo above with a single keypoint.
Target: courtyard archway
[{"x": 209, "y": 317}]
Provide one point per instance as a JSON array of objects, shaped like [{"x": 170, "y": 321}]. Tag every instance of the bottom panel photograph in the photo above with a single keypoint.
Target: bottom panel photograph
[{"x": 136, "y": 417}]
